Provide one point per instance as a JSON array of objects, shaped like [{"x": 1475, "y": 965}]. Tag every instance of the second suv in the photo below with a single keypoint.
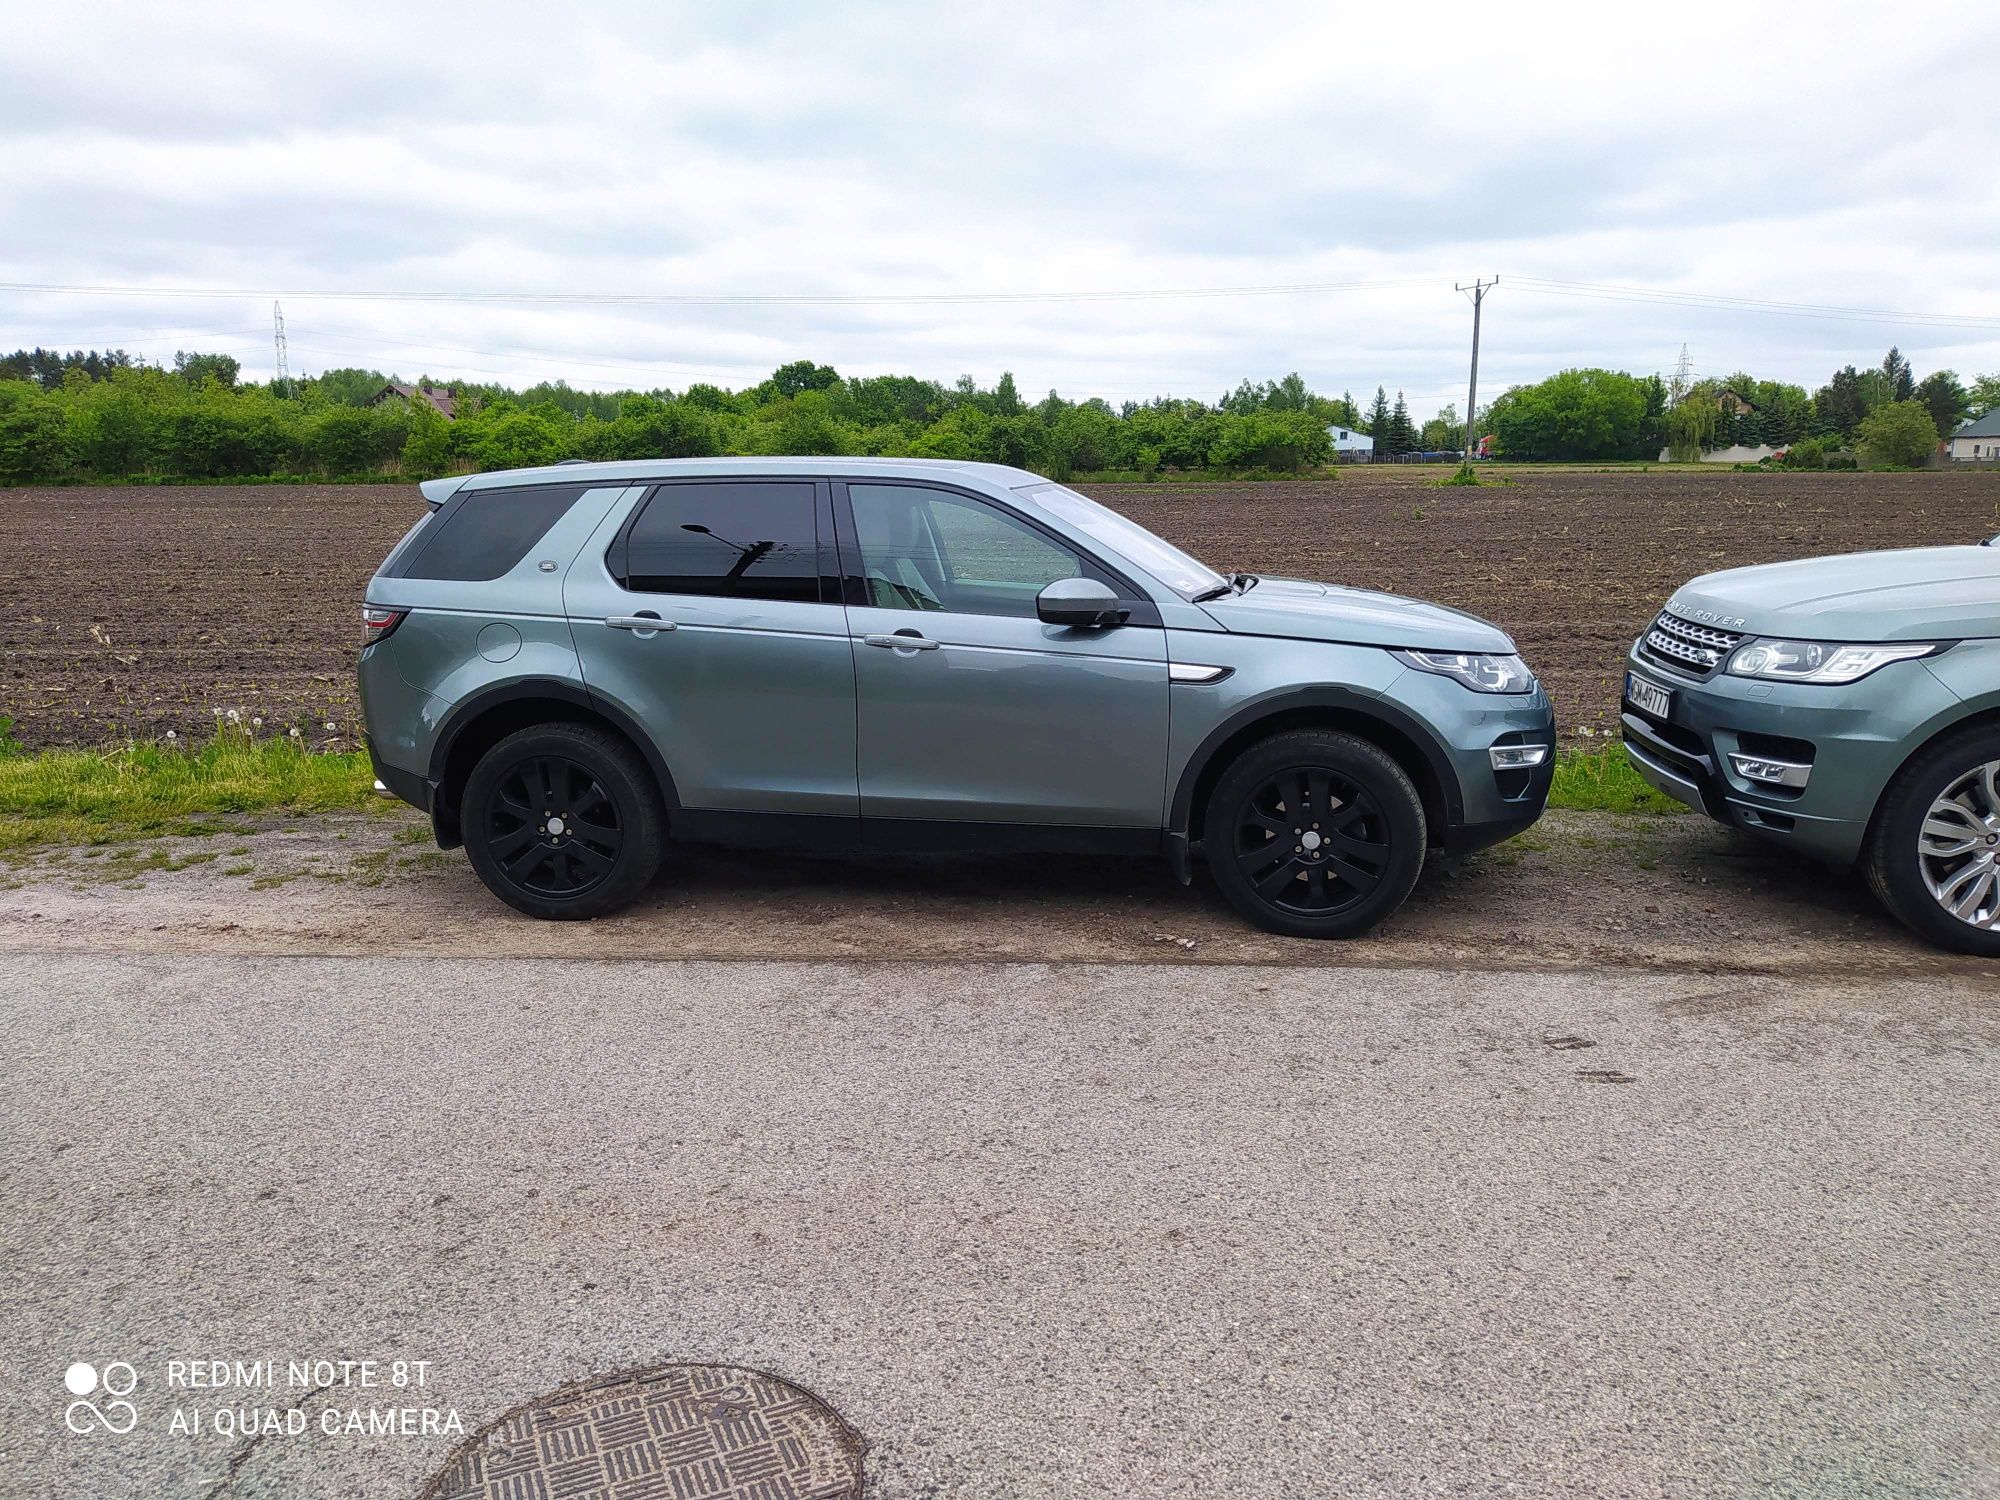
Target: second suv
[
  {"x": 1848, "y": 707},
  {"x": 569, "y": 666}
]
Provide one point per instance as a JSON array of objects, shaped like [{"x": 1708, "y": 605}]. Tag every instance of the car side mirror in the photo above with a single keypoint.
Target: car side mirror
[{"x": 1079, "y": 601}]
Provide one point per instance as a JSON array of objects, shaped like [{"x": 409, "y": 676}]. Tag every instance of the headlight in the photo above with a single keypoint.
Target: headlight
[
  {"x": 1483, "y": 674},
  {"x": 1819, "y": 661}
]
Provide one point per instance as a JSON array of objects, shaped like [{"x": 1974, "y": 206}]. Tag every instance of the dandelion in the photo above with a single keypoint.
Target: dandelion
[
  {"x": 295, "y": 731},
  {"x": 329, "y": 726},
  {"x": 257, "y": 722},
  {"x": 235, "y": 717},
  {"x": 171, "y": 735}
]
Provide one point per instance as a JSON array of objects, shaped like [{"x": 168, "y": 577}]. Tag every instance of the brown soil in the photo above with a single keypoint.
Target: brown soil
[{"x": 133, "y": 611}]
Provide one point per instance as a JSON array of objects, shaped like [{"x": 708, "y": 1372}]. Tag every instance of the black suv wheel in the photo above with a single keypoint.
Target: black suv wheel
[
  {"x": 1315, "y": 833},
  {"x": 1934, "y": 855},
  {"x": 563, "y": 821}
]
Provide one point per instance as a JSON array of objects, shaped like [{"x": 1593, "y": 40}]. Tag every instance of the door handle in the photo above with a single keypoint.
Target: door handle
[
  {"x": 643, "y": 623},
  {"x": 900, "y": 642}
]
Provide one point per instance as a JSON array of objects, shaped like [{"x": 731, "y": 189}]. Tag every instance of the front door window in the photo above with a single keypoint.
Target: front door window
[{"x": 926, "y": 550}]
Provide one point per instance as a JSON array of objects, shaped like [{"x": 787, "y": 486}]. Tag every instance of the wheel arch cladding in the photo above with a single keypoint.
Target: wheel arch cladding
[
  {"x": 482, "y": 721},
  {"x": 1407, "y": 742}
]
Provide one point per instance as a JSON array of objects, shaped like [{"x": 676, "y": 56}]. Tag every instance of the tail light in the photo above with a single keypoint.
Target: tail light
[{"x": 381, "y": 623}]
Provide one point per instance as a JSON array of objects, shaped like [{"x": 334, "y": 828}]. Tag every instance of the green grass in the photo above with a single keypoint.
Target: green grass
[
  {"x": 1604, "y": 781},
  {"x": 89, "y": 797},
  {"x": 86, "y": 797}
]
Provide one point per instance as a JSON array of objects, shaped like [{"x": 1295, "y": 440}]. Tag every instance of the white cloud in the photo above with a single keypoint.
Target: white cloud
[{"x": 1837, "y": 157}]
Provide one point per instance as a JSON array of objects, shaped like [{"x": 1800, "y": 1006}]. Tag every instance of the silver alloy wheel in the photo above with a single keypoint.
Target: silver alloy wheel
[{"x": 1958, "y": 847}]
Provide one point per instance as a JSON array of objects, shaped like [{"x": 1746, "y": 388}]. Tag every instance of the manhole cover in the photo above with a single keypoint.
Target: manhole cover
[{"x": 675, "y": 1432}]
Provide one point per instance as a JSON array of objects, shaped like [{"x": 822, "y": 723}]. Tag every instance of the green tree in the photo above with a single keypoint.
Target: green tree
[
  {"x": 33, "y": 429},
  {"x": 1839, "y": 406},
  {"x": 196, "y": 368},
  {"x": 1285, "y": 441},
  {"x": 1900, "y": 435},
  {"x": 1377, "y": 425},
  {"x": 1940, "y": 394},
  {"x": 427, "y": 450},
  {"x": 1897, "y": 378},
  {"x": 802, "y": 375},
  {"x": 1691, "y": 424},
  {"x": 1983, "y": 395},
  {"x": 1651, "y": 439},
  {"x": 1402, "y": 437},
  {"x": 1573, "y": 414},
  {"x": 347, "y": 386}
]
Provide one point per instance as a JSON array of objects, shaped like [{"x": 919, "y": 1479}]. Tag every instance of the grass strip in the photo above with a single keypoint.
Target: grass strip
[
  {"x": 96, "y": 797},
  {"x": 1605, "y": 781}
]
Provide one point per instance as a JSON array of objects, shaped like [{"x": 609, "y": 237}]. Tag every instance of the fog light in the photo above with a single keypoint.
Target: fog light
[
  {"x": 1770, "y": 772},
  {"x": 1517, "y": 757}
]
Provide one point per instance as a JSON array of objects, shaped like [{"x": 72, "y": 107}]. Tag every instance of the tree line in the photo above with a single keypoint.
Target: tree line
[
  {"x": 1883, "y": 412},
  {"x": 105, "y": 415}
]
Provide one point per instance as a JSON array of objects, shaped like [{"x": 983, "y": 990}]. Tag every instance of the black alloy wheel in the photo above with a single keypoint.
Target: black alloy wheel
[
  {"x": 563, "y": 821},
  {"x": 1311, "y": 842},
  {"x": 1315, "y": 833},
  {"x": 552, "y": 827}
]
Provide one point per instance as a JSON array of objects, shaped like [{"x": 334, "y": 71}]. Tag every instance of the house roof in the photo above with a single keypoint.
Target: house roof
[
  {"x": 1986, "y": 426},
  {"x": 437, "y": 395}
]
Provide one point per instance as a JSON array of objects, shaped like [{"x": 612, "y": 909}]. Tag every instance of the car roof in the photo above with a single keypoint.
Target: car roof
[{"x": 638, "y": 471}]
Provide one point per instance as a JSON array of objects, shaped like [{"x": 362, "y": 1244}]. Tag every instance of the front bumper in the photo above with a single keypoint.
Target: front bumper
[
  {"x": 1484, "y": 805},
  {"x": 1845, "y": 743}
]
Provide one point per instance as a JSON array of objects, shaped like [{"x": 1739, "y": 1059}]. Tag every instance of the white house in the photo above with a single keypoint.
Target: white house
[
  {"x": 1979, "y": 438},
  {"x": 1349, "y": 443}
]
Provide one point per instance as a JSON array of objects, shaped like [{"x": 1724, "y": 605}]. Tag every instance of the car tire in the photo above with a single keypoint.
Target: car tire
[
  {"x": 563, "y": 821},
  {"x": 1315, "y": 833},
  {"x": 1903, "y": 861}
]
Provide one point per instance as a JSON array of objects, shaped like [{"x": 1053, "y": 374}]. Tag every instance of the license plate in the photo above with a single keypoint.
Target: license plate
[{"x": 1647, "y": 697}]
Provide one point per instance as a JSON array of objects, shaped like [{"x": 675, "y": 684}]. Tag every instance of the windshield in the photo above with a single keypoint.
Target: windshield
[{"x": 1128, "y": 539}]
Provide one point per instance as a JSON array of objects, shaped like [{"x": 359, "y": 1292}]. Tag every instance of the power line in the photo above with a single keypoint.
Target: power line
[
  {"x": 780, "y": 299},
  {"x": 1605, "y": 292}
]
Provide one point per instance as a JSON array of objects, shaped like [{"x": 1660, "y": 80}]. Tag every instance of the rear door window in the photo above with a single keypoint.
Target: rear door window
[
  {"x": 753, "y": 539},
  {"x": 479, "y": 535}
]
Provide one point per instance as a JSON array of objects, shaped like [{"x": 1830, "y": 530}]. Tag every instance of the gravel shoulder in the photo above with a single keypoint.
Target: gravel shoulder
[{"x": 1578, "y": 890}]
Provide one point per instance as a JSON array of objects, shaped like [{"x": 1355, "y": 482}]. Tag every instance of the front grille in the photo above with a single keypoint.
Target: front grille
[{"x": 1696, "y": 650}]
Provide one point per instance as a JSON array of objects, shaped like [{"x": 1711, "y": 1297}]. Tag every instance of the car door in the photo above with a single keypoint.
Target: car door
[
  {"x": 968, "y": 707},
  {"x": 712, "y": 615}
]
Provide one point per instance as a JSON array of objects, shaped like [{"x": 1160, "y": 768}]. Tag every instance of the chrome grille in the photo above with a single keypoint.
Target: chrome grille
[{"x": 1688, "y": 647}]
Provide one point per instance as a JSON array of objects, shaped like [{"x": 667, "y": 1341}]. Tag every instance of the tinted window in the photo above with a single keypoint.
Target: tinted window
[
  {"x": 744, "y": 541},
  {"x": 481, "y": 534},
  {"x": 930, "y": 550}
]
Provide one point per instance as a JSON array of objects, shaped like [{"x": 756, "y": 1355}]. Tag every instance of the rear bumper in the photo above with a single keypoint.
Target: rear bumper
[{"x": 406, "y": 785}]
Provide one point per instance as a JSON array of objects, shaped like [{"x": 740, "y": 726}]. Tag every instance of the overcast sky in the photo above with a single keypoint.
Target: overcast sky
[{"x": 1832, "y": 155}]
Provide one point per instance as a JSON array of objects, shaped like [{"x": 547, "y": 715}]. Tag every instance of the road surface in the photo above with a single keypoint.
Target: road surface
[{"x": 1033, "y": 1229}]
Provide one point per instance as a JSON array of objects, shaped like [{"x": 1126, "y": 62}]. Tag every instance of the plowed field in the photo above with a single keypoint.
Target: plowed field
[{"x": 132, "y": 612}]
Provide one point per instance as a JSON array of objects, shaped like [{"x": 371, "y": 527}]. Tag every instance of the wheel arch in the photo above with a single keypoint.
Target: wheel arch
[
  {"x": 1410, "y": 743},
  {"x": 1984, "y": 717},
  {"x": 483, "y": 720}
]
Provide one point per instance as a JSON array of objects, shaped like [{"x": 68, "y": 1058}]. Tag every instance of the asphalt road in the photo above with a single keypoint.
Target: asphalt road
[{"x": 1034, "y": 1230}]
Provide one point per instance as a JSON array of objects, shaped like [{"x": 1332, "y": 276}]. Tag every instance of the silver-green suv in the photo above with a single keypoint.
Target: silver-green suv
[
  {"x": 1848, "y": 707},
  {"x": 571, "y": 665}
]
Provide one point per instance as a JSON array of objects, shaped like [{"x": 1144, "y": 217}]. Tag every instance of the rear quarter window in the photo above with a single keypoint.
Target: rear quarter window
[{"x": 479, "y": 535}]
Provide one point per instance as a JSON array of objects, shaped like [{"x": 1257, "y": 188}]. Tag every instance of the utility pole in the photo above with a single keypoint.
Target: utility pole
[
  {"x": 1477, "y": 291},
  {"x": 283, "y": 378}
]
